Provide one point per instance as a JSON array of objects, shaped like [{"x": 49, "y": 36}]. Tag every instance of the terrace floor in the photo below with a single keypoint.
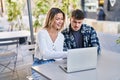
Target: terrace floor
[{"x": 23, "y": 68}]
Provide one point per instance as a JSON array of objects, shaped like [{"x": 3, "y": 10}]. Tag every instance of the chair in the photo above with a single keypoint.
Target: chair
[
  {"x": 28, "y": 49},
  {"x": 8, "y": 53}
]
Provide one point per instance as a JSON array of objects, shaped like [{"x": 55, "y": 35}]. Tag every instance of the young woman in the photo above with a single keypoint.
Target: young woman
[{"x": 50, "y": 40}]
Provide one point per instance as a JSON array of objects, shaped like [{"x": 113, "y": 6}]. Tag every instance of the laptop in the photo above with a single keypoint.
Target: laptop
[{"x": 80, "y": 59}]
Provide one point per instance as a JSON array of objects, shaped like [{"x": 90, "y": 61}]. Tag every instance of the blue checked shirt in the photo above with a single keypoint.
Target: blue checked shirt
[{"x": 90, "y": 38}]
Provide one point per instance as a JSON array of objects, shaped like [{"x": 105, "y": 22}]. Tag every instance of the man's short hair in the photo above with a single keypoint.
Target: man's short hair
[{"x": 77, "y": 14}]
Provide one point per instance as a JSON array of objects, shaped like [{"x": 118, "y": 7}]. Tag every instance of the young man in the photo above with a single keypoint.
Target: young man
[{"x": 79, "y": 35}]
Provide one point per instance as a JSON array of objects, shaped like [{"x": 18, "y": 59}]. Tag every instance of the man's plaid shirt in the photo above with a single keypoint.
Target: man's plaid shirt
[{"x": 90, "y": 38}]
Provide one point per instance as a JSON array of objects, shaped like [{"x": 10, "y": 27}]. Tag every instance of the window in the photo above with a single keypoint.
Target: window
[{"x": 91, "y": 5}]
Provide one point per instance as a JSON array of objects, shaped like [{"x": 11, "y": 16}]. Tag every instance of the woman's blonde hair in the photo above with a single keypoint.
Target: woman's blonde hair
[{"x": 50, "y": 17}]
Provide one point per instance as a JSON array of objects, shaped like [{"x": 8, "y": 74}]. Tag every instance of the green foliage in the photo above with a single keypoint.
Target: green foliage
[
  {"x": 36, "y": 23},
  {"x": 13, "y": 10},
  {"x": 67, "y": 4},
  {"x": 41, "y": 8},
  {"x": 118, "y": 41},
  {"x": 76, "y": 4}
]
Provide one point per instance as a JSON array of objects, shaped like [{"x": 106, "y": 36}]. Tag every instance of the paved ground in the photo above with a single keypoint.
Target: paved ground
[
  {"x": 108, "y": 41},
  {"x": 24, "y": 63}
]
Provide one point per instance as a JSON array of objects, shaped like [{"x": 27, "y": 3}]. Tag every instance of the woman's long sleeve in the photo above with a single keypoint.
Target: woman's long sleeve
[{"x": 46, "y": 47}]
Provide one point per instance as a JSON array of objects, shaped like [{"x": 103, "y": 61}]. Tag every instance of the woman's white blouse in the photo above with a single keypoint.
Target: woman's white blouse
[{"x": 47, "y": 49}]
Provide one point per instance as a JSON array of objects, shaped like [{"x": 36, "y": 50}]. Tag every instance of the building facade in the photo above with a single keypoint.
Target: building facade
[{"x": 112, "y": 11}]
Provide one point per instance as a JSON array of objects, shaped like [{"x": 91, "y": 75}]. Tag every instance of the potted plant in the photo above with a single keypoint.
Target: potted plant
[{"x": 13, "y": 13}]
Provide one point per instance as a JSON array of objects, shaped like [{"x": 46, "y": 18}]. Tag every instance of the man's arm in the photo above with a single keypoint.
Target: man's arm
[{"x": 95, "y": 40}]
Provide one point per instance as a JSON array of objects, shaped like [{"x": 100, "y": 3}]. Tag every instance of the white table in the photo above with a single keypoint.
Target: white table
[
  {"x": 108, "y": 68},
  {"x": 14, "y": 34}
]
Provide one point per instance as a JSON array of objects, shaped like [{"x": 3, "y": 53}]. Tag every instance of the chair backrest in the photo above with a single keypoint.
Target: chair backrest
[
  {"x": 8, "y": 41},
  {"x": 8, "y": 53},
  {"x": 28, "y": 49}
]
